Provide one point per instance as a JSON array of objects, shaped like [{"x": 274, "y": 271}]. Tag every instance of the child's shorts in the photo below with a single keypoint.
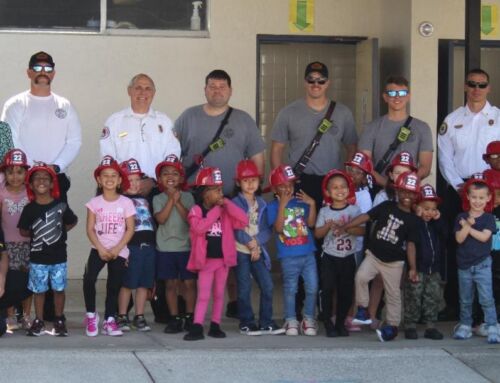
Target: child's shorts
[
  {"x": 39, "y": 277},
  {"x": 173, "y": 265},
  {"x": 140, "y": 271},
  {"x": 19, "y": 255}
]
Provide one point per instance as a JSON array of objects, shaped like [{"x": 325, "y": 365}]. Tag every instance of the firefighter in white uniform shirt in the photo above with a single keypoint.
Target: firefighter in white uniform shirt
[{"x": 140, "y": 132}]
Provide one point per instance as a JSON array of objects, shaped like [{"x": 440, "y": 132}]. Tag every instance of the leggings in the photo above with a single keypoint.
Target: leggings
[{"x": 215, "y": 272}]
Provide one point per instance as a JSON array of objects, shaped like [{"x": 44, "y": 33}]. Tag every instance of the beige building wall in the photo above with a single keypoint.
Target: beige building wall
[{"x": 93, "y": 70}]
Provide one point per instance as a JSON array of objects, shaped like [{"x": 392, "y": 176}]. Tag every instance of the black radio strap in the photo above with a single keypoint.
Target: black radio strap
[
  {"x": 324, "y": 125},
  {"x": 402, "y": 136},
  {"x": 214, "y": 145}
]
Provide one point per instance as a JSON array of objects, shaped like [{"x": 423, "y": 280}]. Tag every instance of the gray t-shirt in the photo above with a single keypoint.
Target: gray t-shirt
[
  {"x": 379, "y": 134},
  {"x": 195, "y": 130},
  {"x": 173, "y": 235},
  {"x": 296, "y": 124},
  {"x": 345, "y": 244}
]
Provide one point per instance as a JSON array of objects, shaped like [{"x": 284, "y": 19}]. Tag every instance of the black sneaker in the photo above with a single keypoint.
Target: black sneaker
[
  {"x": 215, "y": 331},
  {"x": 272, "y": 329},
  {"x": 331, "y": 331},
  {"x": 60, "y": 327},
  {"x": 37, "y": 328},
  {"x": 3, "y": 325},
  {"x": 195, "y": 332},
  {"x": 123, "y": 322},
  {"x": 188, "y": 322},
  {"x": 387, "y": 333},
  {"x": 341, "y": 330},
  {"x": 411, "y": 333},
  {"x": 250, "y": 329},
  {"x": 174, "y": 326},
  {"x": 140, "y": 324},
  {"x": 232, "y": 309},
  {"x": 433, "y": 333}
]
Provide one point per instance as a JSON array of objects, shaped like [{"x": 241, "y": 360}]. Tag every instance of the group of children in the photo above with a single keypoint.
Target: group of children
[{"x": 191, "y": 235}]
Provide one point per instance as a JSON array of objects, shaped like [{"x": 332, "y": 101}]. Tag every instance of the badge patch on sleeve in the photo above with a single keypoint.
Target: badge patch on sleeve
[
  {"x": 105, "y": 133},
  {"x": 443, "y": 128}
]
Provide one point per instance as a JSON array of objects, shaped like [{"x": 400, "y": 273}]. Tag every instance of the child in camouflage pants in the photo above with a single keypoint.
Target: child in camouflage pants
[{"x": 422, "y": 298}]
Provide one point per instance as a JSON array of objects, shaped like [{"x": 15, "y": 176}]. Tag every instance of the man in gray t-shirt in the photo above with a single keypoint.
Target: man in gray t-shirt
[
  {"x": 196, "y": 127},
  {"x": 379, "y": 134}
]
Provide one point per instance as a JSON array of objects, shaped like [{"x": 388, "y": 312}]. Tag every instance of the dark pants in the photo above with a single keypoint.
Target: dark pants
[
  {"x": 337, "y": 274},
  {"x": 16, "y": 289},
  {"x": 93, "y": 267}
]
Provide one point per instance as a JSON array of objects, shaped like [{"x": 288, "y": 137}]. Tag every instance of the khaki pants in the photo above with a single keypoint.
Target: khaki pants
[{"x": 391, "y": 273}]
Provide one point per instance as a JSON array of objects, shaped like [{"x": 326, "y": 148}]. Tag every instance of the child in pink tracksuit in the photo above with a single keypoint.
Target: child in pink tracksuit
[{"x": 212, "y": 223}]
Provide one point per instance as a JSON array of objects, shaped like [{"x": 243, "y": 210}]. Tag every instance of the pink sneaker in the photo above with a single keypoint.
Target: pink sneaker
[
  {"x": 350, "y": 326},
  {"x": 91, "y": 321},
  {"x": 111, "y": 328}
]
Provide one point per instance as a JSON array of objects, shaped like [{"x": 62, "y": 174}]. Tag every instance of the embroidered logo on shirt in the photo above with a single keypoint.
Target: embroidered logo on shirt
[
  {"x": 61, "y": 113},
  {"x": 105, "y": 133},
  {"x": 443, "y": 128}
]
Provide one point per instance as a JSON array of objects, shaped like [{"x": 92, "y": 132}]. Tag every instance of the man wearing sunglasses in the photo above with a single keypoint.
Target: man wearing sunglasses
[
  {"x": 379, "y": 134},
  {"x": 43, "y": 124}
]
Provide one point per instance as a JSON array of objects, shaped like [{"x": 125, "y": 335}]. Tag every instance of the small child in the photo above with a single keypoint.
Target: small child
[
  {"x": 292, "y": 216},
  {"x": 140, "y": 267},
  {"x": 13, "y": 199},
  {"x": 338, "y": 263},
  {"x": 46, "y": 220},
  {"x": 110, "y": 226},
  {"x": 212, "y": 222},
  {"x": 253, "y": 259},
  {"x": 422, "y": 298},
  {"x": 171, "y": 208},
  {"x": 473, "y": 230},
  {"x": 392, "y": 241}
]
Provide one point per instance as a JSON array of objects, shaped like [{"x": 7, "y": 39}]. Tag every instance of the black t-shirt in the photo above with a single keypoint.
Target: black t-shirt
[
  {"x": 48, "y": 234},
  {"x": 393, "y": 229},
  {"x": 144, "y": 222},
  {"x": 214, "y": 237}
]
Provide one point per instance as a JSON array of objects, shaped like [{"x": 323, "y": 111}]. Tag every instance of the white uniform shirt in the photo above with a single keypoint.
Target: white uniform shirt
[
  {"x": 46, "y": 128},
  {"x": 463, "y": 140},
  {"x": 147, "y": 138}
]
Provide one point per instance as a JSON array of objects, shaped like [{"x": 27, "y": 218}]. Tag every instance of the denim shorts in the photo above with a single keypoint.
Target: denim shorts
[
  {"x": 173, "y": 265},
  {"x": 140, "y": 271},
  {"x": 39, "y": 277}
]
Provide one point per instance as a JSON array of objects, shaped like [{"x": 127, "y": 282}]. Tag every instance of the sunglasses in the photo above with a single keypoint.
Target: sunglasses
[
  {"x": 480, "y": 85},
  {"x": 397, "y": 93},
  {"x": 45, "y": 68},
  {"x": 493, "y": 156},
  {"x": 319, "y": 80}
]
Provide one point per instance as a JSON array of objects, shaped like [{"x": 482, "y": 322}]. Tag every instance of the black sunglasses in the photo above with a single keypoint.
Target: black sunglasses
[
  {"x": 480, "y": 85},
  {"x": 45, "y": 68},
  {"x": 319, "y": 80},
  {"x": 399, "y": 93}
]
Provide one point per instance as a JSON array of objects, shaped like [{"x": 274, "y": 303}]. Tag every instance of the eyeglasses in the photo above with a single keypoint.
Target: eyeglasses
[
  {"x": 319, "y": 80},
  {"x": 474, "y": 84},
  {"x": 397, "y": 93},
  {"x": 45, "y": 68}
]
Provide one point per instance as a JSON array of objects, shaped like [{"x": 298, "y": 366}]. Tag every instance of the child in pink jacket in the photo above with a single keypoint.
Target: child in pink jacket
[{"x": 212, "y": 223}]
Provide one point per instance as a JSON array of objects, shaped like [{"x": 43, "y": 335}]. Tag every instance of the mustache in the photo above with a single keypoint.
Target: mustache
[{"x": 37, "y": 78}]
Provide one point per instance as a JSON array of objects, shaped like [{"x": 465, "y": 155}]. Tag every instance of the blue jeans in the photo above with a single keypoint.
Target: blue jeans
[
  {"x": 479, "y": 275},
  {"x": 244, "y": 271},
  {"x": 292, "y": 268}
]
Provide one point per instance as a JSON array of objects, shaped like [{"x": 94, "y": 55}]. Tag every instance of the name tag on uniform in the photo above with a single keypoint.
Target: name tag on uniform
[
  {"x": 123, "y": 134},
  {"x": 458, "y": 126}
]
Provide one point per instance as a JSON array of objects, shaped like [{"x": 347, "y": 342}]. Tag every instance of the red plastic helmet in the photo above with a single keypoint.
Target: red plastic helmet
[
  {"x": 351, "y": 197},
  {"x": 208, "y": 177},
  {"x": 131, "y": 166},
  {"x": 493, "y": 178},
  {"x": 361, "y": 161},
  {"x": 403, "y": 159},
  {"x": 280, "y": 175},
  {"x": 108, "y": 162},
  {"x": 40, "y": 166},
  {"x": 15, "y": 157},
  {"x": 246, "y": 169},
  {"x": 477, "y": 178},
  {"x": 427, "y": 193},
  {"x": 408, "y": 181},
  {"x": 492, "y": 148},
  {"x": 171, "y": 160}
]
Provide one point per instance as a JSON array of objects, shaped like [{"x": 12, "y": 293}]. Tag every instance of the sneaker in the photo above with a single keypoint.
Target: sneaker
[
  {"x": 308, "y": 327},
  {"x": 330, "y": 330},
  {"x": 195, "y": 332},
  {"x": 481, "y": 330},
  {"x": 140, "y": 323},
  {"x": 362, "y": 317},
  {"x": 351, "y": 327},
  {"x": 462, "y": 331},
  {"x": 110, "y": 327},
  {"x": 37, "y": 328},
  {"x": 232, "y": 309},
  {"x": 292, "y": 327},
  {"x": 250, "y": 329},
  {"x": 387, "y": 333},
  {"x": 174, "y": 326},
  {"x": 493, "y": 336},
  {"x": 188, "y": 321},
  {"x": 215, "y": 331},
  {"x": 123, "y": 323},
  {"x": 60, "y": 328},
  {"x": 91, "y": 324},
  {"x": 411, "y": 333},
  {"x": 12, "y": 324},
  {"x": 272, "y": 329},
  {"x": 432, "y": 333},
  {"x": 26, "y": 322},
  {"x": 341, "y": 330}
]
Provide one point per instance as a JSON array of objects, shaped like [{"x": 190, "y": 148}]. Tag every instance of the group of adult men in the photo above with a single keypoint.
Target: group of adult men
[{"x": 46, "y": 127}]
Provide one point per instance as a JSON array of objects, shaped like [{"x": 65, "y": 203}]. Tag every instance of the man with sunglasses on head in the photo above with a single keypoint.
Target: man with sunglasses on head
[
  {"x": 379, "y": 134},
  {"x": 43, "y": 124}
]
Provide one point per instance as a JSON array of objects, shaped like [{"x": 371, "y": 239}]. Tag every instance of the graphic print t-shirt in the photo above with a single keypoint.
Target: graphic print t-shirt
[
  {"x": 214, "y": 237},
  {"x": 48, "y": 234},
  {"x": 12, "y": 207},
  {"x": 144, "y": 222}
]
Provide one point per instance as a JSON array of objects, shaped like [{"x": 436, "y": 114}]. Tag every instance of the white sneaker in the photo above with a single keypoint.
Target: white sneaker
[
  {"x": 91, "y": 324},
  {"x": 110, "y": 327},
  {"x": 308, "y": 327},
  {"x": 481, "y": 330},
  {"x": 292, "y": 327},
  {"x": 12, "y": 324}
]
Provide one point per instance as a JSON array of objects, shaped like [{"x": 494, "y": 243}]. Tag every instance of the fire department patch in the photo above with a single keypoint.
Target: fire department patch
[
  {"x": 105, "y": 133},
  {"x": 443, "y": 128},
  {"x": 61, "y": 113}
]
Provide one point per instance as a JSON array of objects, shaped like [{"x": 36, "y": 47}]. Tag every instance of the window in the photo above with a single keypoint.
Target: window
[{"x": 107, "y": 16}]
